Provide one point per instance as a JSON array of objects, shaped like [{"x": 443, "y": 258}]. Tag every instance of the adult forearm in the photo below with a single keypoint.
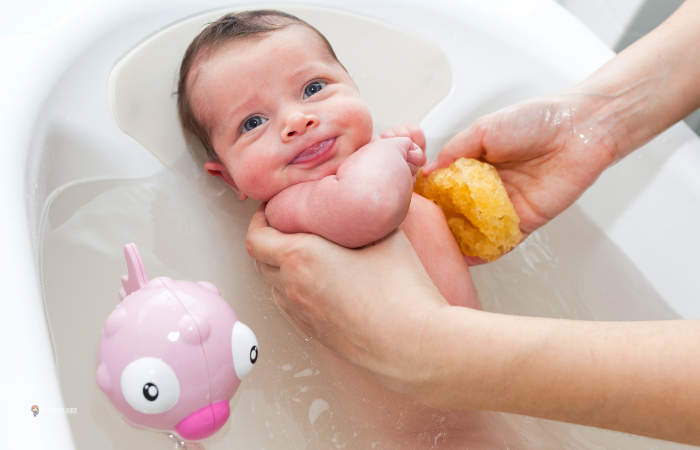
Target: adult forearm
[
  {"x": 378, "y": 309},
  {"x": 637, "y": 377},
  {"x": 649, "y": 86}
]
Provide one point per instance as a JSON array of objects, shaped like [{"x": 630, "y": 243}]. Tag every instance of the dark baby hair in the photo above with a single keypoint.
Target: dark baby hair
[{"x": 229, "y": 28}]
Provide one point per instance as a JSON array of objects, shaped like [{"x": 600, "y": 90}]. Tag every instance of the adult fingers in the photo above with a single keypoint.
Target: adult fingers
[
  {"x": 285, "y": 305},
  {"x": 263, "y": 242},
  {"x": 270, "y": 273},
  {"x": 468, "y": 143}
]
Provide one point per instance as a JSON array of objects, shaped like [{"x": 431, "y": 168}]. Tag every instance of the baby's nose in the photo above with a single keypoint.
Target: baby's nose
[{"x": 298, "y": 124}]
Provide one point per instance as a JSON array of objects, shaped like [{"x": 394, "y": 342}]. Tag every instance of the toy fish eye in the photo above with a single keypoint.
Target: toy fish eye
[
  {"x": 150, "y": 385},
  {"x": 244, "y": 346},
  {"x": 150, "y": 391}
]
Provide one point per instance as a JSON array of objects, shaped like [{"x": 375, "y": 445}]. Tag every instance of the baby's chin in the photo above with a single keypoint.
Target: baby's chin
[{"x": 299, "y": 173}]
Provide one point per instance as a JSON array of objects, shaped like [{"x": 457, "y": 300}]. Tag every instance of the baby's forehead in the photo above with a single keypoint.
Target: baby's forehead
[
  {"x": 300, "y": 35},
  {"x": 208, "y": 76}
]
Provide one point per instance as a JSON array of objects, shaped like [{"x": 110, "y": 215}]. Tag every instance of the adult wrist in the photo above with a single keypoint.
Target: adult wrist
[
  {"x": 395, "y": 351},
  {"x": 455, "y": 343},
  {"x": 624, "y": 116}
]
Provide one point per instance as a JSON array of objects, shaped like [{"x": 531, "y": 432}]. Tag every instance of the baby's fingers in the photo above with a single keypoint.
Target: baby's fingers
[
  {"x": 416, "y": 134},
  {"x": 414, "y": 158},
  {"x": 386, "y": 134},
  {"x": 409, "y": 130}
]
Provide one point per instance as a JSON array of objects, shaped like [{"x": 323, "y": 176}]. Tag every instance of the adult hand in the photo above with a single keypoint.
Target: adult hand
[
  {"x": 360, "y": 303},
  {"x": 377, "y": 309},
  {"x": 548, "y": 151}
]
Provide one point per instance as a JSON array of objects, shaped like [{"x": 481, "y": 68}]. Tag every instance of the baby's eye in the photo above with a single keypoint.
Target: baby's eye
[
  {"x": 252, "y": 122},
  {"x": 313, "y": 88}
]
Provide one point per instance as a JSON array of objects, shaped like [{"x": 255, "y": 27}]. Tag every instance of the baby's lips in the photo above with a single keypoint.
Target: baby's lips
[{"x": 314, "y": 149}]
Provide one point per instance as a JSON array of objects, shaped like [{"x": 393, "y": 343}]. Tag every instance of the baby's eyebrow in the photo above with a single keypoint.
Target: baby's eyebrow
[
  {"x": 305, "y": 72},
  {"x": 234, "y": 112}
]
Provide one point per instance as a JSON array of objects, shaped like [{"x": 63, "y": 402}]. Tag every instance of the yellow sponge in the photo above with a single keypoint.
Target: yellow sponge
[{"x": 476, "y": 205}]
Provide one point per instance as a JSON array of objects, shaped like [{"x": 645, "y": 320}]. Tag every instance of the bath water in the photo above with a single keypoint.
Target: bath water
[{"x": 299, "y": 395}]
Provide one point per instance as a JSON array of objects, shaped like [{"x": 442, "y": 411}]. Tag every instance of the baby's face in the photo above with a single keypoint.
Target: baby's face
[{"x": 281, "y": 111}]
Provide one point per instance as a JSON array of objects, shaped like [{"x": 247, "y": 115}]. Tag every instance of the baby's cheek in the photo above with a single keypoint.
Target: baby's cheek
[
  {"x": 250, "y": 181},
  {"x": 360, "y": 119},
  {"x": 264, "y": 180}
]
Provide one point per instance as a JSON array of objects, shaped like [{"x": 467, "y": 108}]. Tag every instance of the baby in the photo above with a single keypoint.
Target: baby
[{"x": 283, "y": 123}]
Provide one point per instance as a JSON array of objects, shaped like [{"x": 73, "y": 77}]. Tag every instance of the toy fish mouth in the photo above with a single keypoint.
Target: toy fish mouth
[
  {"x": 204, "y": 422},
  {"x": 314, "y": 152}
]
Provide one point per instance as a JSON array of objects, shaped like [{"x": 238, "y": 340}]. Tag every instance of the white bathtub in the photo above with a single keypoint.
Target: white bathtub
[{"x": 623, "y": 252}]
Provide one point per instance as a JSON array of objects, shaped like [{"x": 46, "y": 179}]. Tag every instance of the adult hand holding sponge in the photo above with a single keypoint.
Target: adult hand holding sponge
[{"x": 476, "y": 206}]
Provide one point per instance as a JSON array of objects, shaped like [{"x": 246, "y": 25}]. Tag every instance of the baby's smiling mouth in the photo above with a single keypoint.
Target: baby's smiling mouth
[{"x": 314, "y": 151}]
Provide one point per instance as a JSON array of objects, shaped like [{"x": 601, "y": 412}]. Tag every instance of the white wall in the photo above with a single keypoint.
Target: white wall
[{"x": 609, "y": 19}]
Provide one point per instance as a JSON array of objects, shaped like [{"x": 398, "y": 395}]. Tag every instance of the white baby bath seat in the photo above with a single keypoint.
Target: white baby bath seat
[{"x": 90, "y": 189}]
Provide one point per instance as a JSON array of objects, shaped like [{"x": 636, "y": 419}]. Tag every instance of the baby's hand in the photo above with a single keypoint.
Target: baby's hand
[
  {"x": 409, "y": 130},
  {"x": 375, "y": 153},
  {"x": 414, "y": 158}
]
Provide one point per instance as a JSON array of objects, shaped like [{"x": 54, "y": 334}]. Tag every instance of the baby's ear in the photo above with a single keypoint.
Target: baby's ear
[{"x": 217, "y": 169}]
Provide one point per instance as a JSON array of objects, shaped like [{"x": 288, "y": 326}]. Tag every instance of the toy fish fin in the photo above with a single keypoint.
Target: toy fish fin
[{"x": 136, "y": 277}]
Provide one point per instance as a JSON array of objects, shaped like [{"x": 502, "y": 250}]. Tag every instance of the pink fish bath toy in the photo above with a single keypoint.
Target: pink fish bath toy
[{"x": 172, "y": 354}]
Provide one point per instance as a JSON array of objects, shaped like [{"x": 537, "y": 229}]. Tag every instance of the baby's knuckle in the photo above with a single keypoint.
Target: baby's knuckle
[{"x": 405, "y": 141}]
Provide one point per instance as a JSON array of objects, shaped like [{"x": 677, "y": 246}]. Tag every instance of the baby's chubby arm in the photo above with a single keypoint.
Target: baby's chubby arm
[{"x": 366, "y": 199}]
